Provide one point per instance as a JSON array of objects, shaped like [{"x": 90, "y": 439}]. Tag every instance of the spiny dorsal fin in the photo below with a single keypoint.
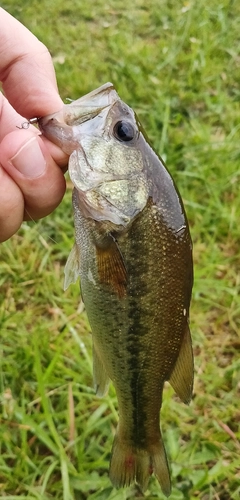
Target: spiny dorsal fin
[
  {"x": 71, "y": 269},
  {"x": 111, "y": 267},
  {"x": 182, "y": 375}
]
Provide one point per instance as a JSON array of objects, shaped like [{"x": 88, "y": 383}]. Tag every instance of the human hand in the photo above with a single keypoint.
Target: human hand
[{"x": 31, "y": 182}]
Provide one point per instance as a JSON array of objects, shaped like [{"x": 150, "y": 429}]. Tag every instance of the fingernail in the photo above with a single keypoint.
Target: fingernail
[{"x": 29, "y": 159}]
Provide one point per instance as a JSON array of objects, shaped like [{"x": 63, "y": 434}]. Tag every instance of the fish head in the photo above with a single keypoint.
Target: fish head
[{"x": 106, "y": 146}]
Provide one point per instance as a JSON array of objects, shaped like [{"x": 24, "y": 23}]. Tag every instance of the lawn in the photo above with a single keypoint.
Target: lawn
[{"x": 178, "y": 65}]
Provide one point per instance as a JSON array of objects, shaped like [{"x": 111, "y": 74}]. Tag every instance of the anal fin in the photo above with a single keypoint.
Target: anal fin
[
  {"x": 100, "y": 377},
  {"x": 181, "y": 378}
]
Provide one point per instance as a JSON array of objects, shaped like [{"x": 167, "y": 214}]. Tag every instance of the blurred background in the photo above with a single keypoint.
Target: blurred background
[{"x": 177, "y": 64}]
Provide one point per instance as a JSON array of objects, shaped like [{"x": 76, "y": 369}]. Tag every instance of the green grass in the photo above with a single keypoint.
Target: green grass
[{"x": 177, "y": 64}]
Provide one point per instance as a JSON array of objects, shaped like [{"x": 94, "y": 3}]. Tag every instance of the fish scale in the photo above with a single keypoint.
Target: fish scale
[{"x": 133, "y": 254}]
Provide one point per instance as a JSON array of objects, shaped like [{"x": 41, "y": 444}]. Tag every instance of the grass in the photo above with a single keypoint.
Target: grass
[{"x": 177, "y": 64}]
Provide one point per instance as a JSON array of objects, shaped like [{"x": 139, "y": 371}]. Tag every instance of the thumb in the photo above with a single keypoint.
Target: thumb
[{"x": 27, "y": 160}]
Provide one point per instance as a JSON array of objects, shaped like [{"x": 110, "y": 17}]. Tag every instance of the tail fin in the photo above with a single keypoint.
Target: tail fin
[{"x": 134, "y": 464}]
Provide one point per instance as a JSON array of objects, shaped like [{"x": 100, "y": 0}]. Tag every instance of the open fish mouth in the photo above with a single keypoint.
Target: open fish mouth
[
  {"x": 62, "y": 127},
  {"x": 83, "y": 109}
]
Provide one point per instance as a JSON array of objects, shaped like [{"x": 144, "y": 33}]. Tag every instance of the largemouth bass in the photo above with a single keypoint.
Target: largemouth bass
[{"x": 133, "y": 254}]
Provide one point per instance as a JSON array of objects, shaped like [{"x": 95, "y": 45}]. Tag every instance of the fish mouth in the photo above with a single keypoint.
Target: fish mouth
[
  {"x": 90, "y": 105},
  {"x": 59, "y": 127}
]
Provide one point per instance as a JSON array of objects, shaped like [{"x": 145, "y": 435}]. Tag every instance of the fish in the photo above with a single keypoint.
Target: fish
[{"x": 133, "y": 254}]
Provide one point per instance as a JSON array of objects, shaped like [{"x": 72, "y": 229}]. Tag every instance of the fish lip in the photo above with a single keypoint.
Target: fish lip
[
  {"x": 90, "y": 105},
  {"x": 55, "y": 119},
  {"x": 100, "y": 98},
  {"x": 60, "y": 126},
  {"x": 84, "y": 108}
]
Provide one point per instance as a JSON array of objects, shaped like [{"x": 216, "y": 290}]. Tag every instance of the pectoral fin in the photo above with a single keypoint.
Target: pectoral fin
[
  {"x": 111, "y": 267},
  {"x": 71, "y": 270},
  {"x": 100, "y": 377},
  {"x": 182, "y": 375}
]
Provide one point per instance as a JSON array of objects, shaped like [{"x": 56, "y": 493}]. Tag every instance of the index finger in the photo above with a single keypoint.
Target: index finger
[{"x": 26, "y": 70}]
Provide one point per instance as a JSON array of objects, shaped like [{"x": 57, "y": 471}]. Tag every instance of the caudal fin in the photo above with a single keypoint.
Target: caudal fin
[{"x": 132, "y": 464}]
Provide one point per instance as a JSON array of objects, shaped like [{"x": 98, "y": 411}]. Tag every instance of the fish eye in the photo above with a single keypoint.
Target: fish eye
[{"x": 124, "y": 131}]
